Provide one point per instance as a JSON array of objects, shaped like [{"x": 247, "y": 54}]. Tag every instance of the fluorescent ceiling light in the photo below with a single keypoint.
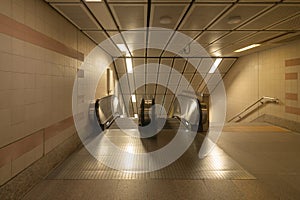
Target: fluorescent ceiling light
[
  {"x": 122, "y": 47},
  {"x": 215, "y": 65},
  {"x": 136, "y": 116},
  {"x": 246, "y": 48},
  {"x": 129, "y": 65},
  {"x": 133, "y": 98}
]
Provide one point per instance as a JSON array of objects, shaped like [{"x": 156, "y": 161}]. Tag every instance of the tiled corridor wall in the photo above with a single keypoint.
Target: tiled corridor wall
[
  {"x": 40, "y": 52},
  {"x": 273, "y": 73}
]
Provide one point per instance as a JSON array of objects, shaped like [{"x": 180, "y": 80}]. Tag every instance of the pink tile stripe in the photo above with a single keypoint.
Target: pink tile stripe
[
  {"x": 291, "y": 96},
  {"x": 292, "y": 62},
  {"x": 24, "y": 145},
  {"x": 291, "y": 76},
  {"x": 20, "y": 31},
  {"x": 292, "y": 110},
  {"x": 20, "y": 147},
  {"x": 58, "y": 128}
]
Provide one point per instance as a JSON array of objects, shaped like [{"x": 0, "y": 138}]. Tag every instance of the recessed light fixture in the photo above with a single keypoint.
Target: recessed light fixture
[
  {"x": 133, "y": 98},
  {"x": 165, "y": 20},
  {"x": 247, "y": 48},
  {"x": 215, "y": 65},
  {"x": 234, "y": 20},
  {"x": 136, "y": 116}
]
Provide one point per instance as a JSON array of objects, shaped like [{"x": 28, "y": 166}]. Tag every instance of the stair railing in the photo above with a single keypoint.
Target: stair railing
[{"x": 262, "y": 100}]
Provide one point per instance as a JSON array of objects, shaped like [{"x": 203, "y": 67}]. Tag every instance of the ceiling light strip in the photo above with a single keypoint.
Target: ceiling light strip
[
  {"x": 129, "y": 65},
  {"x": 247, "y": 48},
  {"x": 215, "y": 65},
  {"x": 133, "y": 98}
]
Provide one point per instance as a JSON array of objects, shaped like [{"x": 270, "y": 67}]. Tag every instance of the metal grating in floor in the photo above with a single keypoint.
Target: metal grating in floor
[{"x": 218, "y": 165}]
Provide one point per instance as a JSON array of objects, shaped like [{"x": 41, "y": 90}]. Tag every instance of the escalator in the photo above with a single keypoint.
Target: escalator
[
  {"x": 147, "y": 111},
  {"x": 191, "y": 112},
  {"x": 107, "y": 110},
  {"x": 185, "y": 111}
]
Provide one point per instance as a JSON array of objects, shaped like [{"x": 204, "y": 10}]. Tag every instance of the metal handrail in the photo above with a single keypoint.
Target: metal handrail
[{"x": 262, "y": 100}]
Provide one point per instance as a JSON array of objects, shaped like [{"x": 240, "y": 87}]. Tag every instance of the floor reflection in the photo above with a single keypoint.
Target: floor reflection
[{"x": 217, "y": 165}]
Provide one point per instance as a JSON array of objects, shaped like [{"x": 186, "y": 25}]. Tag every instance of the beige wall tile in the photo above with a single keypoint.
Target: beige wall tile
[
  {"x": 16, "y": 98},
  {"x": 29, "y": 81},
  {"x": 18, "y": 64},
  {"x": 6, "y": 61},
  {"x": 291, "y": 86},
  {"x": 30, "y": 10},
  {"x": 29, "y": 65},
  {"x": 18, "y": 10},
  {"x": 17, "y": 115},
  {"x": 17, "y": 131},
  {"x": 41, "y": 67},
  {"x": 18, "y": 47},
  {"x": 5, "y": 80},
  {"x": 5, "y": 99},
  {"x": 17, "y": 81},
  {"x": 43, "y": 81},
  {"x": 6, "y": 42},
  {"x": 29, "y": 96},
  {"x": 5, "y": 118},
  {"x": 6, "y": 8}
]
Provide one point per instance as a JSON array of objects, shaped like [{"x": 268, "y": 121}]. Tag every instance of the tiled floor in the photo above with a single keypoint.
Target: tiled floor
[
  {"x": 218, "y": 165},
  {"x": 270, "y": 153}
]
